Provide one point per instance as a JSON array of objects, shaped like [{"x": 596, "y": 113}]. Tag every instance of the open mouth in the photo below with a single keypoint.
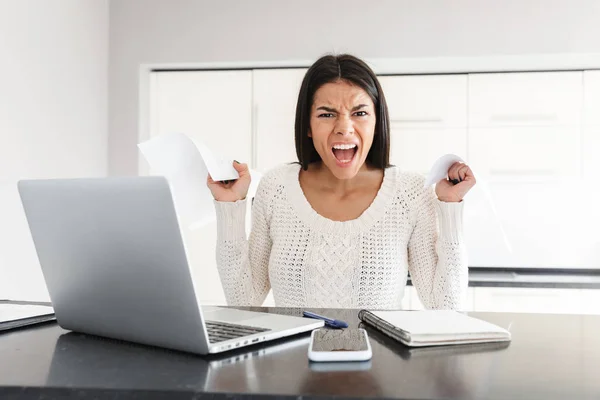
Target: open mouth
[{"x": 344, "y": 153}]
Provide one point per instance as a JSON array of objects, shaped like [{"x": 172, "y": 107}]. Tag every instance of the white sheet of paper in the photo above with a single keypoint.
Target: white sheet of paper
[
  {"x": 220, "y": 169},
  {"x": 185, "y": 163},
  {"x": 440, "y": 168},
  {"x": 439, "y": 171}
]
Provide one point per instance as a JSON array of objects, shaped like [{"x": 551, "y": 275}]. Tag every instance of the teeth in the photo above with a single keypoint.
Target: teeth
[{"x": 344, "y": 146}]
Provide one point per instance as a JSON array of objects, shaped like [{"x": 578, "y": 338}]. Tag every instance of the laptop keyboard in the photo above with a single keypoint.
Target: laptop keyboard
[{"x": 221, "y": 331}]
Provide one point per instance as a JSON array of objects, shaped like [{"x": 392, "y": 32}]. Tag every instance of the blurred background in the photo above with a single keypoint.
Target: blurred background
[{"x": 512, "y": 87}]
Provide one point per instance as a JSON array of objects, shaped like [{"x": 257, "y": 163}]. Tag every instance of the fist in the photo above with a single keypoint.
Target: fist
[
  {"x": 460, "y": 181},
  {"x": 231, "y": 191}
]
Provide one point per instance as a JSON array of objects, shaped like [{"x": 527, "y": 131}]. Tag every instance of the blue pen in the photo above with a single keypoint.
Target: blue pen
[{"x": 332, "y": 323}]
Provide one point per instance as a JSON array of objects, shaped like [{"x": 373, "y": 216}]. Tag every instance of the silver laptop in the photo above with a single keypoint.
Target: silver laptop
[{"x": 114, "y": 262}]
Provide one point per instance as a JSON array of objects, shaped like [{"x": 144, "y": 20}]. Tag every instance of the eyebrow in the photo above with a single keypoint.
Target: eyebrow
[{"x": 333, "y": 110}]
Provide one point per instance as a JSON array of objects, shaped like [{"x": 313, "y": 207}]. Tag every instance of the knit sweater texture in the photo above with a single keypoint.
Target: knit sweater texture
[{"x": 311, "y": 261}]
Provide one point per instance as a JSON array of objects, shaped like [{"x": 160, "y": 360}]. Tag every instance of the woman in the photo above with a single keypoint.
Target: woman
[{"x": 342, "y": 228}]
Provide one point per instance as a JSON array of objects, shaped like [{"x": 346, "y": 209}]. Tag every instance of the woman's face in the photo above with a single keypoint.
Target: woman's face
[{"x": 342, "y": 125}]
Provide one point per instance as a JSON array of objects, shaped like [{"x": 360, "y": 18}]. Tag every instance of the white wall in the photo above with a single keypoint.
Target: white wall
[
  {"x": 53, "y": 114},
  {"x": 176, "y": 31}
]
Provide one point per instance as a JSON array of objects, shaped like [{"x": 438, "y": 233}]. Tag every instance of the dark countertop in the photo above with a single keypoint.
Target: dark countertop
[
  {"x": 534, "y": 277},
  {"x": 550, "y": 357}
]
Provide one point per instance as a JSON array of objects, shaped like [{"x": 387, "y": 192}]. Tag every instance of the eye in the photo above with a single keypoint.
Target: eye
[
  {"x": 361, "y": 113},
  {"x": 325, "y": 115}
]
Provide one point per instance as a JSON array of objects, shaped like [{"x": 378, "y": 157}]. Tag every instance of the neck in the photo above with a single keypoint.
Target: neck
[{"x": 328, "y": 181}]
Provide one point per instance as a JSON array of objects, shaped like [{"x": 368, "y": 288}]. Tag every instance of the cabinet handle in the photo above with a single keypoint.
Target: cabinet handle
[
  {"x": 524, "y": 117},
  {"x": 536, "y": 295},
  {"x": 426, "y": 120},
  {"x": 520, "y": 172}
]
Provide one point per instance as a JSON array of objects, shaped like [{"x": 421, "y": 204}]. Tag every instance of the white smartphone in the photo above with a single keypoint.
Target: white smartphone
[{"x": 339, "y": 345}]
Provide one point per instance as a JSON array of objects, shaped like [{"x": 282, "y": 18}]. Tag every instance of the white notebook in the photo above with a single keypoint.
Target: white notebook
[{"x": 433, "y": 327}]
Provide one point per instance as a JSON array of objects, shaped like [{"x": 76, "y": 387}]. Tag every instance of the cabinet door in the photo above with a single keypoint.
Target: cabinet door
[
  {"x": 525, "y": 99},
  {"x": 275, "y": 97},
  {"x": 528, "y": 300},
  {"x": 216, "y": 108},
  {"x": 590, "y": 354},
  {"x": 591, "y": 87},
  {"x": 428, "y": 117},
  {"x": 590, "y": 301},
  {"x": 212, "y": 106},
  {"x": 591, "y": 129},
  {"x": 538, "y": 235},
  {"x": 417, "y": 149},
  {"x": 591, "y": 160},
  {"x": 526, "y": 154},
  {"x": 426, "y": 101},
  {"x": 591, "y": 151}
]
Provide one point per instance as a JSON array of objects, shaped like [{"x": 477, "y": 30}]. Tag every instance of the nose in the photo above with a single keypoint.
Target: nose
[{"x": 344, "y": 126}]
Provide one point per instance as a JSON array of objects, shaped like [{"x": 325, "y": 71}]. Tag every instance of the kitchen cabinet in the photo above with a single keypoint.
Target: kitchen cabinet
[
  {"x": 275, "y": 94},
  {"x": 428, "y": 118},
  {"x": 426, "y": 101},
  {"x": 531, "y": 135},
  {"x": 527, "y": 300},
  {"x": 591, "y": 97},
  {"x": 521, "y": 99}
]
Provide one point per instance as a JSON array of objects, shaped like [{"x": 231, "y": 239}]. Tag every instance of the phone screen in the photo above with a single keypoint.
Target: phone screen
[{"x": 339, "y": 340}]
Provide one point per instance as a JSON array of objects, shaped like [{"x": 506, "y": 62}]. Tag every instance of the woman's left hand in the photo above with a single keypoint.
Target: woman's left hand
[{"x": 460, "y": 181}]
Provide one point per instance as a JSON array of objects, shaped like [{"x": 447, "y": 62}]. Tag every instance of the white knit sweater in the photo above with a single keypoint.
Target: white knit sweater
[{"x": 312, "y": 261}]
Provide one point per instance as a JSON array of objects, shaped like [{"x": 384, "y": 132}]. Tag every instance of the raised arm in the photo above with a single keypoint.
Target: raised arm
[
  {"x": 437, "y": 257},
  {"x": 243, "y": 264}
]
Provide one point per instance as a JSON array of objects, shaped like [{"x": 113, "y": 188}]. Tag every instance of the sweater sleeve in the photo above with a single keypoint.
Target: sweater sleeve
[
  {"x": 243, "y": 264},
  {"x": 437, "y": 259}
]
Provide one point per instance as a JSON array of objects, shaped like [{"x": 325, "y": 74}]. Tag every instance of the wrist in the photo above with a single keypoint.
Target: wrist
[
  {"x": 229, "y": 199},
  {"x": 449, "y": 199}
]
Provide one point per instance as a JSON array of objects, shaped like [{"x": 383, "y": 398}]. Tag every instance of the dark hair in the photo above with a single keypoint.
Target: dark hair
[{"x": 328, "y": 69}]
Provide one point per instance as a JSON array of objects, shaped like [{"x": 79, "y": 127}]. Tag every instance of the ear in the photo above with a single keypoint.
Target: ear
[{"x": 309, "y": 133}]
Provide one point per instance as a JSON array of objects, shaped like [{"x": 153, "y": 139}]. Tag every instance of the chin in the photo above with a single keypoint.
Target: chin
[{"x": 347, "y": 169}]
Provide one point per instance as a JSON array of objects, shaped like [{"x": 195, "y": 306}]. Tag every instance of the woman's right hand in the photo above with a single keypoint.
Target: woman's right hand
[{"x": 233, "y": 190}]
